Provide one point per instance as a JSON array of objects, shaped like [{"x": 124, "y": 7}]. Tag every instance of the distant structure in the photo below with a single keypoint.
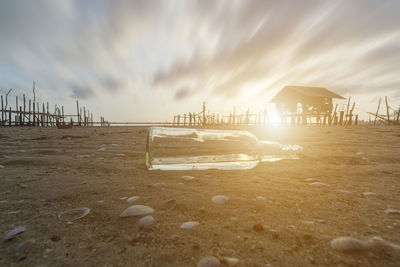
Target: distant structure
[{"x": 302, "y": 103}]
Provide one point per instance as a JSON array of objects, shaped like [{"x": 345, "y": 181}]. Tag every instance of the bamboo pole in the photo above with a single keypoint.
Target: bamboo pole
[
  {"x": 377, "y": 111},
  {"x": 387, "y": 110}
]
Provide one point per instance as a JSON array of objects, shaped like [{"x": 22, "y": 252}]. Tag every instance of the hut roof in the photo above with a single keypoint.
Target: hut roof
[{"x": 305, "y": 91}]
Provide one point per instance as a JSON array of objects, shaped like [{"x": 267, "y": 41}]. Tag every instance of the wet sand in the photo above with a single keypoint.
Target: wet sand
[{"x": 48, "y": 171}]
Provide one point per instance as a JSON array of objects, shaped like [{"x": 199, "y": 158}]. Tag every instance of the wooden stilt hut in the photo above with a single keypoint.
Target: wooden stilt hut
[{"x": 305, "y": 104}]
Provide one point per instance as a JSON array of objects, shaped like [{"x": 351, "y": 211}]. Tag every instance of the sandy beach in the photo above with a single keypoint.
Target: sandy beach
[{"x": 278, "y": 214}]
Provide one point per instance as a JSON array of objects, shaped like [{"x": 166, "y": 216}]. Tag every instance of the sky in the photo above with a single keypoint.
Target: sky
[{"x": 148, "y": 60}]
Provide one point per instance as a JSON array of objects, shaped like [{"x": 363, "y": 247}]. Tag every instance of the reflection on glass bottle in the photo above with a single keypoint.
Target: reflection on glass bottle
[{"x": 201, "y": 149}]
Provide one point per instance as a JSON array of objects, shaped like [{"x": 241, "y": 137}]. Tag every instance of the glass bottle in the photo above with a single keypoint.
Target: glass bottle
[{"x": 201, "y": 149}]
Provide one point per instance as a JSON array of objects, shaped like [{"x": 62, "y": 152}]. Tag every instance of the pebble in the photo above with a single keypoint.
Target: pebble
[
  {"x": 275, "y": 233},
  {"x": 360, "y": 153},
  {"x": 131, "y": 199},
  {"x": 344, "y": 191},
  {"x": 309, "y": 222},
  {"x": 392, "y": 211},
  {"x": 25, "y": 245},
  {"x": 100, "y": 201},
  {"x": 123, "y": 198},
  {"x": 188, "y": 225},
  {"x": 180, "y": 183},
  {"x": 220, "y": 199},
  {"x": 114, "y": 144},
  {"x": 1, "y": 166},
  {"x": 121, "y": 155},
  {"x": 318, "y": 184},
  {"x": 10, "y": 235},
  {"x": 136, "y": 210},
  {"x": 174, "y": 237},
  {"x": 147, "y": 220},
  {"x": 209, "y": 261},
  {"x": 348, "y": 245},
  {"x": 260, "y": 198},
  {"x": 102, "y": 149},
  {"x": 21, "y": 150},
  {"x": 187, "y": 177}
]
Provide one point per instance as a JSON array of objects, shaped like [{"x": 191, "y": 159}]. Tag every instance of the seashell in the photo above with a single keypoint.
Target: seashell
[
  {"x": 209, "y": 261},
  {"x": 102, "y": 149},
  {"x": 1, "y": 166},
  {"x": 73, "y": 214},
  {"x": 220, "y": 199},
  {"x": 365, "y": 194},
  {"x": 10, "y": 235},
  {"x": 187, "y": 177},
  {"x": 392, "y": 211},
  {"x": 260, "y": 198},
  {"x": 310, "y": 179},
  {"x": 21, "y": 150},
  {"x": 131, "y": 199},
  {"x": 231, "y": 261},
  {"x": 348, "y": 245},
  {"x": 159, "y": 185},
  {"x": 136, "y": 210},
  {"x": 25, "y": 245},
  {"x": 376, "y": 240},
  {"x": 121, "y": 155},
  {"x": 188, "y": 225},
  {"x": 318, "y": 184},
  {"x": 123, "y": 198},
  {"x": 13, "y": 212},
  {"x": 114, "y": 144},
  {"x": 147, "y": 220}
]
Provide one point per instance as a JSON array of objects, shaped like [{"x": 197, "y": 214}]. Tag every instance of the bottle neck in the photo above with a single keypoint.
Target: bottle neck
[{"x": 273, "y": 151}]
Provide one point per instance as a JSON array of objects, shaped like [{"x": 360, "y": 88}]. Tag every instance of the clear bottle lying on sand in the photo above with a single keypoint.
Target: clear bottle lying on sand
[{"x": 202, "y": 149}]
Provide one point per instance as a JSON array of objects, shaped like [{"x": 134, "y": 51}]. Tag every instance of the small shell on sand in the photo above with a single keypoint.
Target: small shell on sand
[
  {"x": 73, "y": 214},
  {"x": 261, "y": 198},
  {"x": 209, "y": 261},
  {"x": 392, "y": 211},
  {"x": 187, "y": 177},
  {"x": 310, "y": 180},
  {"x": 10, "y": 235},
  {"x": 365, "y": 194},
  {"x": 121, "y": 155},
  {"x": 147, "y": 220},
  {"x": 220, "y": 199},
  {"x": 188, "y": 225},
  {"x": 136, "y": 210},
  {"x": 131, "y": 199},
  {"x": 348, "y": 245},
  {"x": 123, "y": 198},
  {"x": 25, "y": 245},
  {"x": 231, "y": 261},
  {"x": 102, "y": 149},
  {"x": 318, "y": 184},
  {"x": 159, "y": 185}
]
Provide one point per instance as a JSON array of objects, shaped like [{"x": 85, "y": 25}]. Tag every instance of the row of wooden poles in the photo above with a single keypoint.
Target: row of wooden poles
[
  {"x": 33, "y": 113},
  {"x": 386, "y": 118},
  {"x": 335, "y": 118}
]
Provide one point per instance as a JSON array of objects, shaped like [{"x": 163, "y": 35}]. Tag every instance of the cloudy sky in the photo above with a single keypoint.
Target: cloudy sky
[{"x": 147, "y": 60}]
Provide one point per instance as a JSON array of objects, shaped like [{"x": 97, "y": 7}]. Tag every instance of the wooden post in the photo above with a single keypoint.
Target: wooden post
[
  {"x": 29, "y": 114},
  {"x": 234, "y": 115},
  {"x": 341, "y": 118},
  {"x": 347, "y": 111},
  {"x": 179, "y": 118},
  {"x": 204, "y": 113},
  {"x": 77, "y": 112},
  {"x": 91, "y": 118},
  {"x": 16, "y": 110},
  {"x": 376, "y": 115},
  {"x": 62, "y": 113},
  {"x": 23, "y": 117},
  {"x": 184, "y": 119},
  {"x": 351, "y": 114},
  {"x": 387, "y": 110},
  {"x": 47, "y": 114},
  {"x": 398, "y": 117},
  {"x": 84, "y": 116},
  {"x": 20, "y": 116},
  {"x": 2, "y": 111},
  {"x": 33, "y": 114},
  {"x": 43, "y": 115},
  {"x": 9, "y": 117},
  {"x": 356, "y": 120},
  {"x": 38, "y": 113}
]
